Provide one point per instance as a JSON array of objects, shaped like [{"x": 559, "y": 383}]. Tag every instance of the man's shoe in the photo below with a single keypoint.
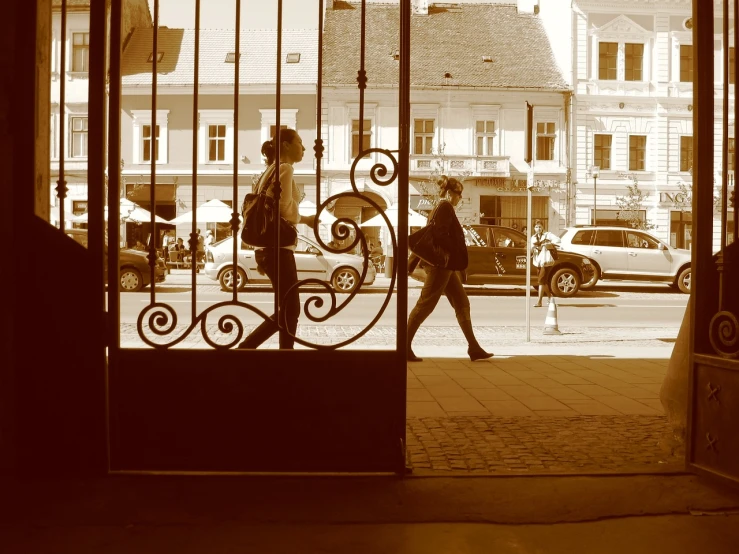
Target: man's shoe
[
  {"x": 478, "y": 354},
  {"x": 411, "y": 357}
]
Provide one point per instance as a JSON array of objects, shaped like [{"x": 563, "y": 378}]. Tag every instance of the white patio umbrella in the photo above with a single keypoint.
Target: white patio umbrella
[
  {"x": 213, "y": 211},
  {"x": 306, "y": 208},
  {"x": 414, "y": 219},
  {"x": 130, "y": 212}
]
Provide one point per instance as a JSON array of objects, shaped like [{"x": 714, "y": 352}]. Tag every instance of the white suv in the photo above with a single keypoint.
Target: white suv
[{"x": 628, "y": 254}]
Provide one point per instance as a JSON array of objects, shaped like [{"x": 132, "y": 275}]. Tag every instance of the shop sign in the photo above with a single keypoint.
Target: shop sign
[
  {"x": 677, "y": 198},
  {"x": 517, "y": 185}
]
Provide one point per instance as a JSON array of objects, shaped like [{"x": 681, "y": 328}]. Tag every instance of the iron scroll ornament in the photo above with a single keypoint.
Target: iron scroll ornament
[
  {"x": 158, "y": 320},
  {"x": 723, "y": 332}
]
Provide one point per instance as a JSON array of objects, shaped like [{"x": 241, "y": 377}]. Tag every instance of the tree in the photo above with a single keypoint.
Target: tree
[{"x": 631, "y": 206}]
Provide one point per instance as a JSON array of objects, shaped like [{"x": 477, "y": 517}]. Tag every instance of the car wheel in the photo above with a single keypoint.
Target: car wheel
[
  {"x": 131, "y": 280},
  {"x": 345, "y": 279},
  {"x": 227, "y": 280},
  {"x": 683, "y": 280},
  {"x": 593, "y": 280},
  {"x": 565, "y": 282}
]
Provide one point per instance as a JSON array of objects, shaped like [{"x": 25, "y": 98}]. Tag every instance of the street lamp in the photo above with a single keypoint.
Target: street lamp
[{"x": 594, "y": 172}]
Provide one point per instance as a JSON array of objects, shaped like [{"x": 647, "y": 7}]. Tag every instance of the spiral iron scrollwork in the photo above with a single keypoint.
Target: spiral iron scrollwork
[
  {"x": 723, "y": 332},
  {"x": 158, "y": 325}
]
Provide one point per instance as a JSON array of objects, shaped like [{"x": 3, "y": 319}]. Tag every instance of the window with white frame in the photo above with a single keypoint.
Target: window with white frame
[
  {"x": 608, "y": 61},
  {"x": 366, "y": 137},
  {"x": 423, "y": 136},
  {"x": 147, "y": 138},
  {"x": 216, "y": 136},
  {"x": 484, "y": 137},
  {"x": 78, "y": 142},
  {"x": 545, "y": 140},
  {"x": 686, "y": 63},
  {"x": 602, "y": 151},
  {"x": 143, "y": 138},
  {"x": 633, "y": 62},
  {"x": 686, "y": 153},
  {"x": 288, "y": 119},
  {"x": 637, "y": 153},
  {"x": 80, "y": 52},
  {"x": 216, "y": 143}
]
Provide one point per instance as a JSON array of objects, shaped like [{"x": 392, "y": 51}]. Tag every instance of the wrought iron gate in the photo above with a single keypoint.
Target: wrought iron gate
[
  {"x": 219, "y": 409},
  {"x": 713, "y": 435}
]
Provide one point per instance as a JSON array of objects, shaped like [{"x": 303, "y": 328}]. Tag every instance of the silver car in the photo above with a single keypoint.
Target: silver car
[
  {"x": 342, "y": 271},
  {"x": 628, "y": 254}
]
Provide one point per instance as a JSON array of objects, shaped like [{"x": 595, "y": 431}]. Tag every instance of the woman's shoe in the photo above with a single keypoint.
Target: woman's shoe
[
  {"x": 478, "y": 354},
  {"x": 411, "y": 357},
  {"x": 537, "y": 305}
]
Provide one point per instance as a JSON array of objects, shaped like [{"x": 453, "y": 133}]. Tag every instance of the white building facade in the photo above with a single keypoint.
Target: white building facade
[
  {"x": 72, "y": 146},
  {"x": 633, "y": 69}
]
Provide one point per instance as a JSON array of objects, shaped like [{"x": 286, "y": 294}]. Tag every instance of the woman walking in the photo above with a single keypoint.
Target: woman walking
[
  {"x": 291, "y": 151},
  {"x": 446, "y": 280},
  {"x": 540, "y": 241}
]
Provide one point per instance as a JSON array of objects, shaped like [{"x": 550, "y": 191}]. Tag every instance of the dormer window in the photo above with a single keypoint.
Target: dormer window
[
  {"x": 160, "y": 56},
  {"x": 293, "y": 57},
  {"x": 231, "y": 57},
  {"x": 487, "y": 59}
]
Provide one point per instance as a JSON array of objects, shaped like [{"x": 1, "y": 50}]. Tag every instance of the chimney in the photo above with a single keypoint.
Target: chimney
[
  {"x": 528, "y": 7},
  {"x": 420, "y": 7}
]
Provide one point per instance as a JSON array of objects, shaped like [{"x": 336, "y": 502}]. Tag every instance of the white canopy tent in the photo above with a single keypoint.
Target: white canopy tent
[
  {"x": 414, "y": 219},
  {"x": 306, "y": 208},
  {"x": 130, "y": 212},
  {"x": 213, "y": 211}
]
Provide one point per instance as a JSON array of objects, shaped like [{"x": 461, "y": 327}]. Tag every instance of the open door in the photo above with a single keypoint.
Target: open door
[{"x": 713, "y": 409}]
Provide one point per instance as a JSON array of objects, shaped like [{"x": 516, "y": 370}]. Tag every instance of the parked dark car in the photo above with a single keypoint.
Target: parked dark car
[
  {"x": 135, "y": 273},
  {"x": 497, "y": 256}
]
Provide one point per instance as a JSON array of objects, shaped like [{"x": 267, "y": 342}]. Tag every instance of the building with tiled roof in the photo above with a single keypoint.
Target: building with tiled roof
[
  {"x": 72, "y": 144},
  {"x": 258, "y": 49},
  {"x": 473, "y": 68},
  {"x": 216, "y": 128}
]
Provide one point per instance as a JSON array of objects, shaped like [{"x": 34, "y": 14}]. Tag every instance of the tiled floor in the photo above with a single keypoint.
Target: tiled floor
[{"x": 546, "y": 386}]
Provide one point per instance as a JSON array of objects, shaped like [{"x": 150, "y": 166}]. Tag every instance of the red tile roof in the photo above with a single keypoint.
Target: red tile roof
[
  {"x": 445, "y": 41},
  {"x": 258, "y": 57}
]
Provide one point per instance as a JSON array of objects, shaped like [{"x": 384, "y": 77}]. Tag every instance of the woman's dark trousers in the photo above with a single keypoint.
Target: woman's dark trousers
[{"x": 289, "y": 298}]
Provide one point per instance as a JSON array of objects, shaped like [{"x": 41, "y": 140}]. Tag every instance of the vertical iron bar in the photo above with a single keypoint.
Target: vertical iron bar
[
  {"x": 195, "y": 119},
  {"x": 61, "y": 184},
  {"x": 362, "y": 76},
  {"x": 278, "y": 186},
  {"x": 318, "y": 147},
  {"x": 736, "y": 96},
  {"x": 704, "y": 294},
  {"x": 152, "y": 187},
  {"x": 401, "y": 254},
  {"x": 235, "y": 215},
  {"x": 114, "y": 173},
  {"x": 724, "y": 135}
]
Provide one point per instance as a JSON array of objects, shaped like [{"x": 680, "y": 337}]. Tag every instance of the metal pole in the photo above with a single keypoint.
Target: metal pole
[
  {"x": 530, "y": 183},
  {"x": 595, "y": 200}
]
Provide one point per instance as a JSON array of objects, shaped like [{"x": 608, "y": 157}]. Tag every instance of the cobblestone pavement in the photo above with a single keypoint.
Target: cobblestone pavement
[{"x": 515, "y": 445}]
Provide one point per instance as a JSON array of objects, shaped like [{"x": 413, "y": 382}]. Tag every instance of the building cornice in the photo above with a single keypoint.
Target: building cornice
[{"x": 145, "y": 90}]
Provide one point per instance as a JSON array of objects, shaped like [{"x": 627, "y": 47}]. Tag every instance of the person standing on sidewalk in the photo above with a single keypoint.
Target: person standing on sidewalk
[
  {"x": 540, "y": 241},
  {"x": 446, "y": 280},
  {"x": 291, "y": 151}
]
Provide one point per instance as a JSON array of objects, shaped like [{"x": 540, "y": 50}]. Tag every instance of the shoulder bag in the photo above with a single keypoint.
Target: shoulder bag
[
  {"x": 258, "y": 212},
  {"x": 423, "y": 245}
]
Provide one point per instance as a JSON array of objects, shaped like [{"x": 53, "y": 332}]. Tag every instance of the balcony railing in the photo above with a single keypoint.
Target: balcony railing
[{"x": 489, "y": 166}]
